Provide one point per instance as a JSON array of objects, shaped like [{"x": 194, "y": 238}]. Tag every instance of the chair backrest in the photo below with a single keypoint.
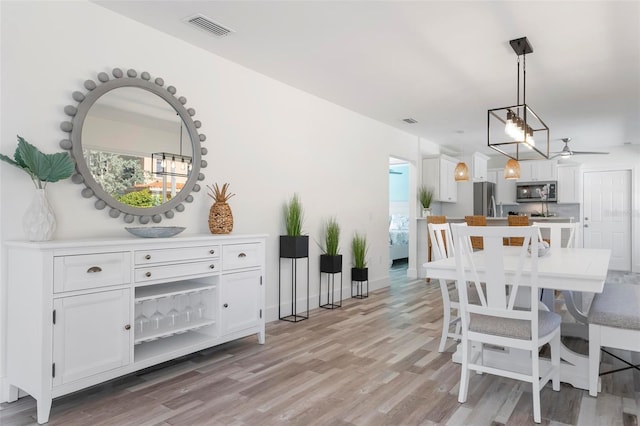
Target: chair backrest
[
  {"x": 513, "y": 220},
  {"x": 555, "y": 233},
  {"x": 476, "y": 242},
  {"x": 441, "y": 240},
  {"x": 498, "y": 295},
  {"x": 433, "y": 219}
]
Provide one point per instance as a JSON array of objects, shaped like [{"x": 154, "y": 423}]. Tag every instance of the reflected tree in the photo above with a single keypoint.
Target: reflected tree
[{"x": 117, "y": 174}]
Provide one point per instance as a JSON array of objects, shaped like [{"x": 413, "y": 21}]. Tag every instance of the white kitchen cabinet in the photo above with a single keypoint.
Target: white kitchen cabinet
[
  {"x": 438, "y": 173},
  {"x": 83, "y": 312},
  {"x": 569, "y": 183},
  {"x": 505, "y": 188},
  {"x": 535, "y": 170},
  {"x": 91, "y": 334},
  {"x": 480, "y": 167}
]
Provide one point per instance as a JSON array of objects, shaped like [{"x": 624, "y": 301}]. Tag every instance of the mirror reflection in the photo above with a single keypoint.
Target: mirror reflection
[{"x": 136, "y": 147}]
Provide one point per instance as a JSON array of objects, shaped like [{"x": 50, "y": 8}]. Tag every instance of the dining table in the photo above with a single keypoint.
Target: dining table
[{"x": 566, "y": 269}]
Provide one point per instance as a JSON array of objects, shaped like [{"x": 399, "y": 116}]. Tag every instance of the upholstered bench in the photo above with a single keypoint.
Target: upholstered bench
[{"x": 614, "y": 321}]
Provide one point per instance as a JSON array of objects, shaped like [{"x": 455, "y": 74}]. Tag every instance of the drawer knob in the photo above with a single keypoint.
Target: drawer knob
[
  {"x": 212, "y": 251},
  {"x": 94, "y": 269},
  {"x": 147, "y": 257},
  {"x": 148, "y": 274},
  {"x": 226, "y": 305},
  {"x": 241, "y": 255},
  {"x": 212, "y": 266},
  {"x": 127, "y": 327}
]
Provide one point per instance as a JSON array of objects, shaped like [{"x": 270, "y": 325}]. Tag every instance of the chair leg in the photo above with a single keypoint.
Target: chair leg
[
  {"x": 555, "y": 361},
  {"x": 535, "y": 383},
  {"x": 594, "y": 358},
  {"x": 446, "y": 320},
  {"x": 464, "y": 372}
]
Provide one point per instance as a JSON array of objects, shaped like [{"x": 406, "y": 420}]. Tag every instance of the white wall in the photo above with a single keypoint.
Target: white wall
[{"x": 268, "y": 140}]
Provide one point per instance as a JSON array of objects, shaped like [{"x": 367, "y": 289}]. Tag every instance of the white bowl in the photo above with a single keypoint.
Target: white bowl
[{"x": 155, "y": 231}]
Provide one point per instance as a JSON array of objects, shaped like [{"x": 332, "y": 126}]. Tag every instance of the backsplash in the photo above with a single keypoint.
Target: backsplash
[{"x": 555, "y": 209}]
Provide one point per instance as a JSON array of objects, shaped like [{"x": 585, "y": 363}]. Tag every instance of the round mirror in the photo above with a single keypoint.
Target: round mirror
[{"x": 136, "y": 147}]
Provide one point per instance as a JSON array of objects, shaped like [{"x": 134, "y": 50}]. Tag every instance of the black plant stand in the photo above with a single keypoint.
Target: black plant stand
[
  {"x": 330, "y": 266},
  {"x": 331, "y": 279},
  {"x": 358, "y": 278},
  {"x": 293, "y": 248}
]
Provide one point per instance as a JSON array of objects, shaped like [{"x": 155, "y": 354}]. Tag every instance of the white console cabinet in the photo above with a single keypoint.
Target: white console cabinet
[{"x": 83, "y": 312}]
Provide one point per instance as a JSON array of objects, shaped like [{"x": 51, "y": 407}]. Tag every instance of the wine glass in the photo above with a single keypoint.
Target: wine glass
[
  {"x": 173, "y": 316},
  {"x": 187, "y": 312},
  {"x": 200, "y": 307},
  {"x": 141, "y": 321},
  {"x": 156, "y": 317}
]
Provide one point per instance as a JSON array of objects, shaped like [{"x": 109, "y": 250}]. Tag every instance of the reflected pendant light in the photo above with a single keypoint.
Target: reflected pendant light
[
  {"x": 461, "y": 172},
  {"x": 512, "y": 169}
]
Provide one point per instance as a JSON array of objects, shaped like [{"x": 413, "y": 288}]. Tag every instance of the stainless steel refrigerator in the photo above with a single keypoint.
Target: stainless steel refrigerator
[{"x": 484, "y": 202}]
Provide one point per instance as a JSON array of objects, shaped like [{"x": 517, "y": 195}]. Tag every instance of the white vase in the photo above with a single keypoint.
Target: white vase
[
  {"x": 426, "y": 212},
  {"x": 39, "y": 222}
]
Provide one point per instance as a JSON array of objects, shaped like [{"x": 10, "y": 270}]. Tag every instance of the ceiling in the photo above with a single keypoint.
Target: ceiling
[{"x": 442, "y": 63}]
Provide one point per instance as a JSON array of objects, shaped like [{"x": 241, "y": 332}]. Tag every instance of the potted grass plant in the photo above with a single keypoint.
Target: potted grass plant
[
  {"x": 359, "y": 249},
  {"x": 294, "y": 245},
  {"x": 331, "y": 259},
  {"x": 425, "y": 195}
]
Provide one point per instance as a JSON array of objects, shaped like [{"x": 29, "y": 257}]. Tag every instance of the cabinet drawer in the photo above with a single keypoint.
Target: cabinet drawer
[
  {"x": 88, "y": 271},
  {"x": 143, "y": 257},
  {"x": 237, "y": 256},
  {"x": 178, "y": 270}
]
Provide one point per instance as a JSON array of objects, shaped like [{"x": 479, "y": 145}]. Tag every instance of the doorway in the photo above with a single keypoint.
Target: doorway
[
  {"x": 607, "y": 215},
  {"x": 398, "y": 216}
]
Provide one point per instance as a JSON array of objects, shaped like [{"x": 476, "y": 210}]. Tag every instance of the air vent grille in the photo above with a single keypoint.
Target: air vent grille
[
  {"x": 206, "y": 24},
  {"x": 409, "y": 120}
]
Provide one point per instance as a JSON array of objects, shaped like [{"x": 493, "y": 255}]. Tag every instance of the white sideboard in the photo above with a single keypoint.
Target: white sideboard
[{"x": 82, "y": 312}]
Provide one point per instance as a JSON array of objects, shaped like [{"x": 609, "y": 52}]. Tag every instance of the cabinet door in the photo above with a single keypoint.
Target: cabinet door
[
  {"x": 240, "y": 301},
  {"x": 448, "y": 184},
  {"x": 544, "y": 170},
  {"x": 91, "y": 334},
  {"x": 480, "y": 168},
  {"x": 569, "y": 184}
]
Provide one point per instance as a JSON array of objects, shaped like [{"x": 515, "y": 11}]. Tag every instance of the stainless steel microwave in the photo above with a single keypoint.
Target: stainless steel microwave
[{"x": 530, "y": 192}]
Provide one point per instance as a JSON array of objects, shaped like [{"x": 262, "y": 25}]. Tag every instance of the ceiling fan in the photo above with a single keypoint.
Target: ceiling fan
[{"x": 567, "y": 152}]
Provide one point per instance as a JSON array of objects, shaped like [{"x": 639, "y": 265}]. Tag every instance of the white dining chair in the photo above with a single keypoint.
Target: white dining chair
[
  {"x": 442, "y": 247},
  {"x": 498, "y": 320},
  {"x": 555, "y": 233},
  {"x": 563, "y": 235}
]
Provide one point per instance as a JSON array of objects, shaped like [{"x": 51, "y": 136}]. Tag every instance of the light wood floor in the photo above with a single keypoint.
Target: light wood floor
[{"x": 372, "y": 362}]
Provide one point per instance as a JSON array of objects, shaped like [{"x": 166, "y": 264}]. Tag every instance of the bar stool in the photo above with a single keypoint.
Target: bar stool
[
  {"x": 516, "y": 221},
  {"x": 476, "y": 242}
]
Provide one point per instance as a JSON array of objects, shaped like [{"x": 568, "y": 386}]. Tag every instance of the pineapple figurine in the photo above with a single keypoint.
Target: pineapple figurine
[{"x": 220, "y": 216}]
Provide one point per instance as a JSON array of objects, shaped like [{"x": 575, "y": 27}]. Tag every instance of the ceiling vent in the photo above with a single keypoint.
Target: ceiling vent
[
  {"x": 206, "y": 24},
  {"x": 409, "y": 120}
]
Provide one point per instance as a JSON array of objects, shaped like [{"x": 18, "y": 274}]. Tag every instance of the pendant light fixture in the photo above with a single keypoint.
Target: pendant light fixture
[
  {"x": 461, "y": 173},
  {"x": 517, "y": 131},
  {"x": 512, "y": 169}
]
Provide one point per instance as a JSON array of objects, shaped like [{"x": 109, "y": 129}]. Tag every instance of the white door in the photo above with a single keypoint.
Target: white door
[{"x": 607, "y": 215}]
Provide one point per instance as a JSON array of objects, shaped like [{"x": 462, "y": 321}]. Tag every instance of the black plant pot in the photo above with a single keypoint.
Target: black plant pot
[
  {"x": 359, "y": 274},
  {"x": 294, "y": 247},
  {"x": 330, "y": 264}
]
